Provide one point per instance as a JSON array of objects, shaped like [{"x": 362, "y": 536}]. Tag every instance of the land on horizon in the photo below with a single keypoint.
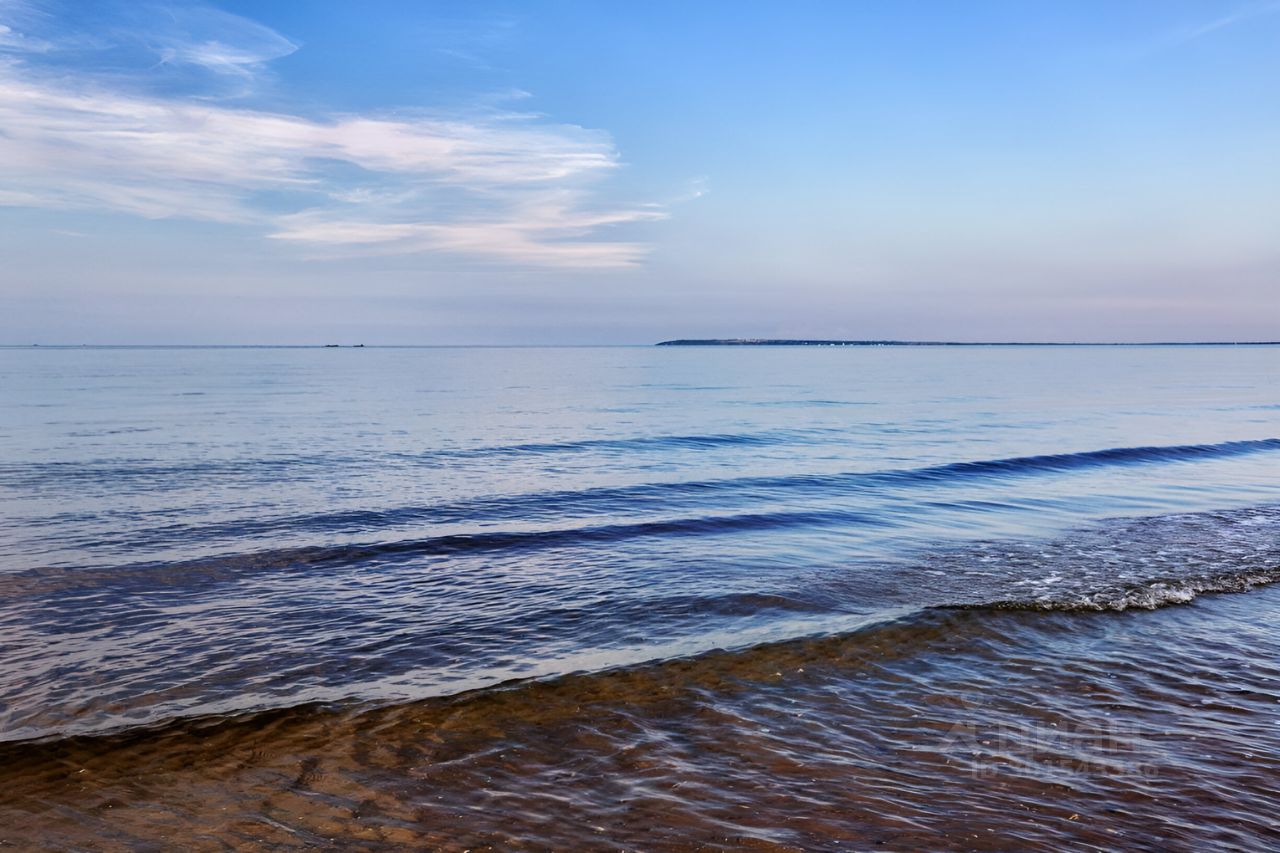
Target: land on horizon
[{"x": 809, "y": 342}]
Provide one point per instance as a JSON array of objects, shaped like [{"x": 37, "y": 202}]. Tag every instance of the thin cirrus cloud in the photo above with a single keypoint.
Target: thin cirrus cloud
[
  {"x": 1239, "y": 15},
  {"x": 495, "y": 185}
]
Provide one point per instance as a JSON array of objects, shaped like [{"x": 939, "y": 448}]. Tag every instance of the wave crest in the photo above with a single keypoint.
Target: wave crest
[{"x": 1150, "y": 595}]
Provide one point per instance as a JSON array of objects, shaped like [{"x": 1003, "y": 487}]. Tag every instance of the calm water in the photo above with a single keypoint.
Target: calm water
[{"x": 821, "y": 598}]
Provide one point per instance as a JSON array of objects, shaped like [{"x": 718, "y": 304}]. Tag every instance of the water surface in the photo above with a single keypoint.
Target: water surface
[{"x": 541, "y": 597}]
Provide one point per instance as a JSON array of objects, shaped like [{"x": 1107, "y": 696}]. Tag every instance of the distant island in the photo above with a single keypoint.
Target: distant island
[
  {"x": 785, "y": 342},
  {"x": 798, "y": 342}
]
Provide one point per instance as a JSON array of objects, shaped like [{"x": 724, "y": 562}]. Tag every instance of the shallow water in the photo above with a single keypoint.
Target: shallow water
[{"x": 866, "y": 598}]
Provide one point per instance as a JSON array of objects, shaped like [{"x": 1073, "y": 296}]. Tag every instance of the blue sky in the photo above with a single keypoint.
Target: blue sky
[{"x": 572, "y": 172}]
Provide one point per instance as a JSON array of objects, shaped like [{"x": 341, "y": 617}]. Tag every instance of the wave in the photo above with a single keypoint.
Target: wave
[
  {"x": 337, "y": 557},
  {"x": 978, "y": 628},
  {"x": 37, "y": 473},
  {"x": 670, "y": 497},
  {"x": 676, "y": 494},
  {"x": 228, "y": 566},
  {"x": 1150, "y": 595},
  {"x": 1113, "y": 456},
  {"x": 25, "y": 475},
  {"x": 638, "y": 443}
]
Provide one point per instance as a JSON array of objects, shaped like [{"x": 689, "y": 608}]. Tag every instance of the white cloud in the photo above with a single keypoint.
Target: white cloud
[
  {"x": 499, "y": 185},
  {"x": 544, "y": 228}
]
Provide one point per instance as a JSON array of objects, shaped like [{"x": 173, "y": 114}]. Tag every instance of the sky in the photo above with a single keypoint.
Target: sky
[{"x": 595, "y": 172}]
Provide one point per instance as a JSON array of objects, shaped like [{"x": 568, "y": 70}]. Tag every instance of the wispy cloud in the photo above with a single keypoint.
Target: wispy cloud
[
  {"x": 488, "y": 183},
  {"x": 1239, "y": 15},
  {"x": 217, "y": 41}
]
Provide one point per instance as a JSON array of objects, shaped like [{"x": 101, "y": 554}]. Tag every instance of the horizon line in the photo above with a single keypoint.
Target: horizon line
[{"x": 677, "y": 342}]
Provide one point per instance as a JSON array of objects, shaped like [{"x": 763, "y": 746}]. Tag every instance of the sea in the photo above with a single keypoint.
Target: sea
[{"x": 640, "y": 598}]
